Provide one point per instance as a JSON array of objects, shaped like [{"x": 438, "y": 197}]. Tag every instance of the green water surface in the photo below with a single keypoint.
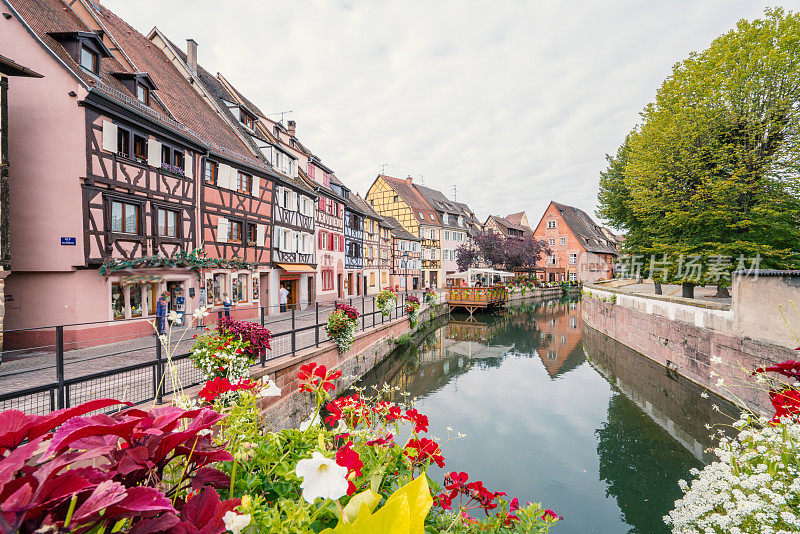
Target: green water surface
[{"x": 557, "y": 413}]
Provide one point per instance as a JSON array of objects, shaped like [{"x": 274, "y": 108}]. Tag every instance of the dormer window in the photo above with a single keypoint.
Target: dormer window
[
  {"x": 142, "y": 94},
  {"x": 90, "y": 60},
  {"x": 246, "y": 119}
]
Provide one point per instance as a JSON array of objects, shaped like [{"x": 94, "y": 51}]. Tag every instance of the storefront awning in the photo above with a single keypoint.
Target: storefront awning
[{"x": 295, "y": 268}]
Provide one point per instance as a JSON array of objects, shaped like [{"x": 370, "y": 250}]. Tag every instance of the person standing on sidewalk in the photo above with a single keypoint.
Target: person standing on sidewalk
[
  {"x": 226, "y": 303},
  {"x": 284, "y": 297}
]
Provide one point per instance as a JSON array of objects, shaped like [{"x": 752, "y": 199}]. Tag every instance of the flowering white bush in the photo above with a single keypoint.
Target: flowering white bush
[
  {"x": 754, "y": 488},
  {"x": 385, "y": 301},
  {"x": 222, "y": 355}
]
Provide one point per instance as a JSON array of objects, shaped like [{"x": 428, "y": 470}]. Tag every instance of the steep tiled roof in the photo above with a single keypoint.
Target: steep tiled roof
[
  {"x": 10, "y": 67},
  {"x": 588, "y": 233},
  {"x": 414, "y": 199},
  {"x": 398, "y": 231},
  {"x": 364, "y": 206},
  {"x": 505, "y": 223},
  {"x": 438, "y": 200}
]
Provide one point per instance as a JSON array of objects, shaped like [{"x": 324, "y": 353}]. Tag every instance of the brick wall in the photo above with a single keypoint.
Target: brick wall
[
  {"x": 687, "y": 349},
  {"x": 370, "y": 348}
]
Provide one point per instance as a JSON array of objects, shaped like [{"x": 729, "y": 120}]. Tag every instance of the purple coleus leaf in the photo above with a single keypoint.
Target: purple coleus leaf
[
  {"x": 161, "y": 523},
  {"x": 79, "y": 428},
  {"x": 209, "y": 476},
  {"x": 141, "y": 501},
  {"x": 104, "y": 495}
]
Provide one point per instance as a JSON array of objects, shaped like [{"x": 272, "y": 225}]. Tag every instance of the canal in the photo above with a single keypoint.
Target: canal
[{"x": 557, "y": 413}]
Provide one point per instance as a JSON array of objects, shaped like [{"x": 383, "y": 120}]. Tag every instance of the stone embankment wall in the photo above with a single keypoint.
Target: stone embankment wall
[
  {"x": 684, "y": 338},
  {"x": 370, "y": 348}
]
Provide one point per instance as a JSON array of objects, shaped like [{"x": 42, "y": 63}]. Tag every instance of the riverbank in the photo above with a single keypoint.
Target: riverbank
[{"x": 687, "y": 338}]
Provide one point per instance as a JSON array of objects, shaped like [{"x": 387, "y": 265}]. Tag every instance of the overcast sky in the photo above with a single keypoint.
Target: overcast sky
[{"x": 514, "y": 102}]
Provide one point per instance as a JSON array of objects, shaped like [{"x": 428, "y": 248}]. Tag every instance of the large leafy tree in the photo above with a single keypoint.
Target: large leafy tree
[
  {"x": 712, "y": 171},
  {"x": 497, "y": 250}
]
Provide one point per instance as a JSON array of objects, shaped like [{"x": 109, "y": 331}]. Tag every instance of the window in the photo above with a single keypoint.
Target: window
[
  {"x": 240, "y": 285},
  {"x": 251, "y": 234},
  {"x": 246, "y": 119},
  {"x": 551, "y": 224},
  {"x": 140, "y": 148},
  {"x": 552, "y": 242},
  {"x": 124, "y": 218},
  {"x": 327, "y": 280},
  {"x": 89, "y": 60},
  {"x": 219, "y": 287},
  {"x": 135, "y": 299},
  {"x": 178, "y": 159},
  {"x": 117, "y": 301},
  {"x": 395, "y": 198},
  {"x": 210, "y": 171},
  {"x": 234, "y": 232},
  {"x": 552, "y": 259},
  {"x": 123, "y": 142},
  {"x": 573, "y": 258},
  {"x": 447, "y": 234},
  {"x": 372, "y": 279},
  {"x": 167, "y": 223},
  {"x": 431, "y": 216},
  {"x": 142, "y": 94},
  {"x": 563, "y": 241},
  {"x": 573, "y": 276},
  {"x": 166, "y": 155},
  {"x": 244, "y": 182}
]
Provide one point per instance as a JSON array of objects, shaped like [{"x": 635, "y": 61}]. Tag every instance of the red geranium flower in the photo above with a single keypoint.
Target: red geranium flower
[
  {"x": 551, "y": 515},
  {"x": 786, "y": 403},
  {"x": 215, "y": 388},
  {"x": 313, "y": 377},
  {"x": 789, "y": 369},
  {"x": 420, "y": 421},
  {"x": 424, "y": 449}
]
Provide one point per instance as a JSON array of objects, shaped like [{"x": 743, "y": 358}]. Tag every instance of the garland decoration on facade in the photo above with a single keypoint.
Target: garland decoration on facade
[{"x": 195, "y": 260}]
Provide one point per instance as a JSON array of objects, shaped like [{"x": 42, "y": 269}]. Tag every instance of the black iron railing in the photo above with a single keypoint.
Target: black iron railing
[{"x": 139, "y": 373}]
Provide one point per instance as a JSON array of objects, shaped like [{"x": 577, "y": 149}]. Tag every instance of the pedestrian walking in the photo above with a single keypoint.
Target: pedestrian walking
[
  {"x": 284, "y": 298},
  {"x": 226, "y": 303}
]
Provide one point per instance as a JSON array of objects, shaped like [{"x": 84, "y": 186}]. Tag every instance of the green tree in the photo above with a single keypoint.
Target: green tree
[{"x": 712, "y": 170}]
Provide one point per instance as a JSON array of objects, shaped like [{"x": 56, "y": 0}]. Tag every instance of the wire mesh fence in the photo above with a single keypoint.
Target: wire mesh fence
[{"x": 60, "y": 368}]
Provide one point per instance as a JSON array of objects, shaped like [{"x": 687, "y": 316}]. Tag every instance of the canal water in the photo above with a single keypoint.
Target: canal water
[{"x": 557, "y": 413}]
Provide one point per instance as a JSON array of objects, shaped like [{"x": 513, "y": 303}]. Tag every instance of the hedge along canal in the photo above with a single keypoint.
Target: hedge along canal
[{"x": 558, "y": 413}]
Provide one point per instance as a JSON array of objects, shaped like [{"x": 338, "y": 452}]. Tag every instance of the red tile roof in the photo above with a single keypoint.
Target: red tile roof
[{"x": 414, "y": 199}]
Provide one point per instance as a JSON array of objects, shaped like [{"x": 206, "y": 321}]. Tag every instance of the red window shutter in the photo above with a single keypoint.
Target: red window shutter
[
  {"x": 330, "y": 242},
  {"x": 321, "y": 240},
  {"x": 310, "y": 170},
  {"x": 341, "y": 209},
  {"x": 322, "y": 203}
]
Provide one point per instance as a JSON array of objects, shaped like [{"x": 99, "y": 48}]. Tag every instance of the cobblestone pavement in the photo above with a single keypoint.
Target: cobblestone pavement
[{"x": 39, "y": 368}]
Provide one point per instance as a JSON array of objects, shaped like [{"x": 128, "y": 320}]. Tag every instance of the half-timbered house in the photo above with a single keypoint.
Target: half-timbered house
[
  {"x": 406, "y": 269},
  {"x": 353, "y": 246},
  {"x": 123, "y": 199},
  {"x": 372, "y": 261},
  {"x": 292, "y": 232},
  {"x": 397, "y": 198}
]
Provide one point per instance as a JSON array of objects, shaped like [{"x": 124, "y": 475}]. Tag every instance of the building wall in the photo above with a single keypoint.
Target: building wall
[
  {"x": 767, "y": 308},
  {"x": 449, "y": 244},
  {"x": 553, "y": 237}
]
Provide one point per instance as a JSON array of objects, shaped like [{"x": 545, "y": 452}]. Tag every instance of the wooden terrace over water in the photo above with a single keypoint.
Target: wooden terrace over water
[{"x": 475, "y": 298}]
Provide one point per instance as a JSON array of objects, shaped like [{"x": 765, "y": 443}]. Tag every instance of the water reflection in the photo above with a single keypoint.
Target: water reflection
[{"x": 601, "y": 440}]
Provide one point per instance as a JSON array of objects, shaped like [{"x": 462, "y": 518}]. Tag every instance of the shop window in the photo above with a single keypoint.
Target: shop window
[
  {"x": 240, "y": 288},
  {"x": 135, "y": 299},
  {"x": 150, "y": 297},
  {"x": 117, "y": 301},
  {"x": 255, "y": 288},
  {"x": 219, "y": 288}
]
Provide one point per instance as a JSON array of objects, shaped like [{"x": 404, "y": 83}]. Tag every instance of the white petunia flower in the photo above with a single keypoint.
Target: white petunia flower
[
  {"x": 269, "y": 388},
  {"x": 199, "y": 313},
  {"x": 235, "y": 522},
  {"x": 305, "y": 425},
  {"x": 173, "y": 316},
  {"x": 322, "y": 477}
]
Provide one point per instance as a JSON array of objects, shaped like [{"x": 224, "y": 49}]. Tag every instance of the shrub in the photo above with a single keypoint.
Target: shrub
[
  {"x": 257, "y": 337},
  {"x": 342, "y": 326},
  {"x": 385, "y": 301},
  {"x": 223, "y": 355}
]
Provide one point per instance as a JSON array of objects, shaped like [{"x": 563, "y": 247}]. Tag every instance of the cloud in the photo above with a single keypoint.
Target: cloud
[{"x": 514, "y": 102}]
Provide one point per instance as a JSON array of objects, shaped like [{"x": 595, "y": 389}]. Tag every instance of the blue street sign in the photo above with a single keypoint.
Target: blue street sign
[{"x": 68, "y": 241}]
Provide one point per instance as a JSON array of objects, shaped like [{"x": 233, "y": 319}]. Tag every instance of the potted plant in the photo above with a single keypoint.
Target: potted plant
[
  {"x": 342, "y": 326},
  {"x": 385, "y": 301},
  {"x": 412, "y": 310}
]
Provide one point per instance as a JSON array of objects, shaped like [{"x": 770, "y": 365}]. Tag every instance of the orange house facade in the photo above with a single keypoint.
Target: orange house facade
[{"x": 581, "y": 251}]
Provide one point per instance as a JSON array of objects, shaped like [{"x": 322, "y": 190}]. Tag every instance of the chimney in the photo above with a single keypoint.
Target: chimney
[
  {"x": 409, "y": 180},
  {"x": 290, "y": 126},
  {"x": 191, "y": 54}
]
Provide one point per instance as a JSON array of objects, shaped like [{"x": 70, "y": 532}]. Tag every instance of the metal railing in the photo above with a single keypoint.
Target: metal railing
[{"x": 137, "y": 370}]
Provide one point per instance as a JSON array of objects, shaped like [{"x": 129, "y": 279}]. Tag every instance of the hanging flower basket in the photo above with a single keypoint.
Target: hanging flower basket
[
  {"x": 430, "y": 297},
  {"x": 412, "y": 310},
  {"x": 385, "y": 301},
  {"x": 342, "y": 326}
]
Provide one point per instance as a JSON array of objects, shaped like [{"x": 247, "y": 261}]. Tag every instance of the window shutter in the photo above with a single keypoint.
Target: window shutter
[
  {"x": 322, "y": 203},
  {"x": 255, "y": 189},
  {"x": 280, "y": 196},
  {"x": 110, "y": 137},
  {"x": 153, "y": 153},
  {"x": 188, "y": 164},
  {"x": 278, "y": 240},
  {"x": 223, "y": 175},
  {"x": 321, "y": 241},
  {"x": 260, "y": 231},
  {"x": 293, "y": 202},
  {"x": 223, "y": 226},
  {"x": 341, "y": 210}
]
